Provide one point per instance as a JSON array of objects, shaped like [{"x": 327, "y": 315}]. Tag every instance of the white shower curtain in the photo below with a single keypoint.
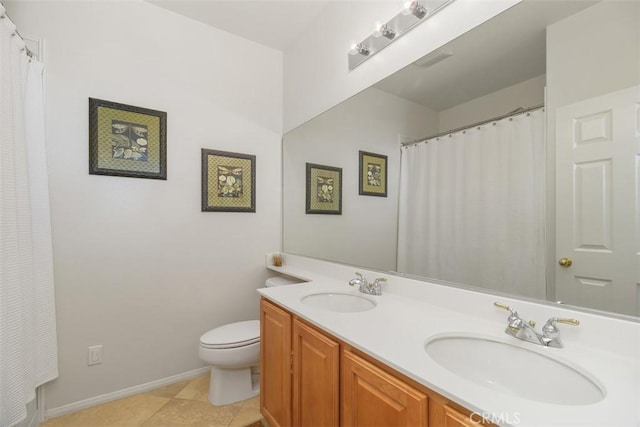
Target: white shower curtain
[
  {"x": 472, "y": 207},
  {"x": 28, "y": 349}
]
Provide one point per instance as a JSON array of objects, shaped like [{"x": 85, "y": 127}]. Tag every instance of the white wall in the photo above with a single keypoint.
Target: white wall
[
  {"x": 525, "y": 94},
  {"x": 315, "y": 67},
  {"x": 138, "y": 268},
  {"x": 366, "y": 232},
  {"x": 593, "y": 52}
]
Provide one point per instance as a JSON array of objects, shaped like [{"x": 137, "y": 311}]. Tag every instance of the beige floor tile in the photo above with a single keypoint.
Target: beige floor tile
[
  {"x": 253, "y": 403},
  {"x": 245, "y": 417},
  {"x": 168, "y": 391},
  {"x": 196, "y": 389},
  {"x": 128, "y": 412},
  {"x": 182, "y": 412}
]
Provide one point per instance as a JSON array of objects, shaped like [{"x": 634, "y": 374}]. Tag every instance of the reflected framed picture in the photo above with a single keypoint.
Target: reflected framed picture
[
  {"x": 228, "y": 181},
  {"x": 127, "y": 141},
  {"x": 324, "y": 189},
  {"x": 373, "y": 174}
]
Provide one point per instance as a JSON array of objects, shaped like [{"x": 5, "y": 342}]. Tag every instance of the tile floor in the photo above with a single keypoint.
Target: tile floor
[{"x": 176, "y": 405}]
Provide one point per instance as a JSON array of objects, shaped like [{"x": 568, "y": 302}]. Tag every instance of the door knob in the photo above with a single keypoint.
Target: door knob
[{"x": 565, "y": 262}]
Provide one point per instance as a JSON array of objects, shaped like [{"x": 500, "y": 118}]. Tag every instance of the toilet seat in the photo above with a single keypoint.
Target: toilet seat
[{"x": 234, "y": 335}]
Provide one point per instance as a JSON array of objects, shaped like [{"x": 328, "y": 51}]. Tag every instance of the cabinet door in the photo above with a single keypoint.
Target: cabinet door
[
  {"x": 275, "y": 365},
  {"x": 442, "y": 413},
  {"x": 316, "y": 378},
  {"x": 455, "y": 418},
  {"x": 372, "y": 397}
]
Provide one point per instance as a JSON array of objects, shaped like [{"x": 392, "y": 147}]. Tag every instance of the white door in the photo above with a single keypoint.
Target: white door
[{"x": 597, "y": 202}]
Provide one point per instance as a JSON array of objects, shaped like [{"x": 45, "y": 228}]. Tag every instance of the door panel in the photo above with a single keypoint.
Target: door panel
[{"x": 598, "y": 201}]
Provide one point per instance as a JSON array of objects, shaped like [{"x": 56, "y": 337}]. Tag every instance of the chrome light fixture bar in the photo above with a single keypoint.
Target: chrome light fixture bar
[{"x": 414, "y": 13}]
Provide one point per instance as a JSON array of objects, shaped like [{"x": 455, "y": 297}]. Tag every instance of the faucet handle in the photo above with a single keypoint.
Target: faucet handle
[
  {"x": 550, "y": 330},
  {"x": 380, "y": 280},
  {"x": 506, "y": 307},
  {"x": 551, "y": 323},
  {"x": 360, "y": 280},
  {"x": 572, "y": 322},
  {"x": 501, "y": 305}
]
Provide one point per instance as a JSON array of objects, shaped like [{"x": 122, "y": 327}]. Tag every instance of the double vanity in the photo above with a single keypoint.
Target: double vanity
[{"x": 426, "y": 354}]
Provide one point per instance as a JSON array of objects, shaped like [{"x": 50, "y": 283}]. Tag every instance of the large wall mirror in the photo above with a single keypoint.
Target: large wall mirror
[{"x": 513, "y": 161}]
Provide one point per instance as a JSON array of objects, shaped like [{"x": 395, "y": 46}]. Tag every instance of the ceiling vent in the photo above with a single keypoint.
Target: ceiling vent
[{"x": 432, "y": 59}]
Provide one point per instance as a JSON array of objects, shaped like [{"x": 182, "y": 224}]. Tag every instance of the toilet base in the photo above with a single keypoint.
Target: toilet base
[{"x": 232, "y": 385}]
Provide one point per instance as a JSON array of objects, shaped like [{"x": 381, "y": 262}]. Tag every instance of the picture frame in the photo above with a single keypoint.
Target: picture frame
[
  {"x": 127, "y": 141},
  {"x": 324, "y": 189},
  {"x": 372, "y": 174},
  {"x": 228, "y": 181}
]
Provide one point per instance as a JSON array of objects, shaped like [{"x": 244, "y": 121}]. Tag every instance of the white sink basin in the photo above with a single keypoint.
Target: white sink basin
[
  {"x": 513, "y": 370},
  {"x": 339, "y": 302}
]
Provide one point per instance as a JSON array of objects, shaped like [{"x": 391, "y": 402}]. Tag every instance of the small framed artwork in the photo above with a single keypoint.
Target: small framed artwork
[
  {"x": 373, "y": 174},
  {"x": 324, "y": 189},
  {"x": 127, "y": 141},
  {"x": 228, "y": 181}
]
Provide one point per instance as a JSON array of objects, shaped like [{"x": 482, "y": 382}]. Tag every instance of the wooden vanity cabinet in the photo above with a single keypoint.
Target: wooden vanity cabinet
[
  {"x": 275, "y": 365},
  {"x": 316, "y": 380},
  {"x": 309, "y": 379},
  {"x": 299, "y": 368},
  {"x": 373, "y": 397}
]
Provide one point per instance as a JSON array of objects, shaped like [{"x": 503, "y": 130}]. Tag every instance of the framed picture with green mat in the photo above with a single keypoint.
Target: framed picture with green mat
[
  {"x": 228, "y": 181},
  {"x": 127, "y": 141}
]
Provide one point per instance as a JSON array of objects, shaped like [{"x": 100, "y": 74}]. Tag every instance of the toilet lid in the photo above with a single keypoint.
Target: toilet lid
[{"x": 233, "y": 335}]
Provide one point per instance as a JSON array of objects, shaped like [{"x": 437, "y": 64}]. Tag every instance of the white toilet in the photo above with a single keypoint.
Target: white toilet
[{"x": 233, "y": 351}]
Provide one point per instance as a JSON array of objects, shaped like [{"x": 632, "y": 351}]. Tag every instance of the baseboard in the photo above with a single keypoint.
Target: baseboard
[{"x": 130, "y": 391}]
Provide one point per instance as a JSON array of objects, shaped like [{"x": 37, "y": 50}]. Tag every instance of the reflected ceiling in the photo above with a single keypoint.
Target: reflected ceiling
[{"x": 463, "y": 71}]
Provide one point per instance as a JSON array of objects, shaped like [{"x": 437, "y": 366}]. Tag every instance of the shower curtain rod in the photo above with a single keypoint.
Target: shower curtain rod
[
  {"x": 519, "y": 110},
  {"x": 5, "y": 15}
]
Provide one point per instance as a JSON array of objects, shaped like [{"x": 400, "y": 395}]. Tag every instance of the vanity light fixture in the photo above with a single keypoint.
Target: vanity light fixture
[
  {"x": 417, "y": 10},
  {"x": 359, "y": 49},
  {"x": 388, "y": 32},
  {"x": 412, "y": 14}
]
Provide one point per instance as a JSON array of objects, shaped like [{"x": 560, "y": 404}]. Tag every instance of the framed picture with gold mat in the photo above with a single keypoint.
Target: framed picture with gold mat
[
  {"x": 127, "y": 141},
  {"x": 228, "y": 181},
  {"x": 373, "y": 174},
  {"x": 324, "y": 189}
]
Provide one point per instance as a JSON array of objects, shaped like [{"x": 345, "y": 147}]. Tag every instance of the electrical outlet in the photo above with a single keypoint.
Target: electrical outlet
[{"x": 94, "y": 355}]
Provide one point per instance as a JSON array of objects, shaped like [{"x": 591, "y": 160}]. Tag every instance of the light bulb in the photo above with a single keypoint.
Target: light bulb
[{"x": 406, "y": 8}]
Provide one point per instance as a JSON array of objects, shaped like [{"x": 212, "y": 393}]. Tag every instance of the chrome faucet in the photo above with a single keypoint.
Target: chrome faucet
[
  {"x": 365, "y": 287},
  {"x": 518, "y": 328}
]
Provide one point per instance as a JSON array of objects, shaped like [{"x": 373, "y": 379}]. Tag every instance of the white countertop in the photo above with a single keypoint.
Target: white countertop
[{"x": 395, "y": 332}]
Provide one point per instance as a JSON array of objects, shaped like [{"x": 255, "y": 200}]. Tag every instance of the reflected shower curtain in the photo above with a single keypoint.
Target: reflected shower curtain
[
  {"x": 472, "y": 207},
  {"x": 28, "y": 349}
]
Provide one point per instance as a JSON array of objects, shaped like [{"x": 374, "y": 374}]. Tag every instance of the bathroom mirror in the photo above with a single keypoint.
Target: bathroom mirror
[{"x": 553, "y": 220}]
